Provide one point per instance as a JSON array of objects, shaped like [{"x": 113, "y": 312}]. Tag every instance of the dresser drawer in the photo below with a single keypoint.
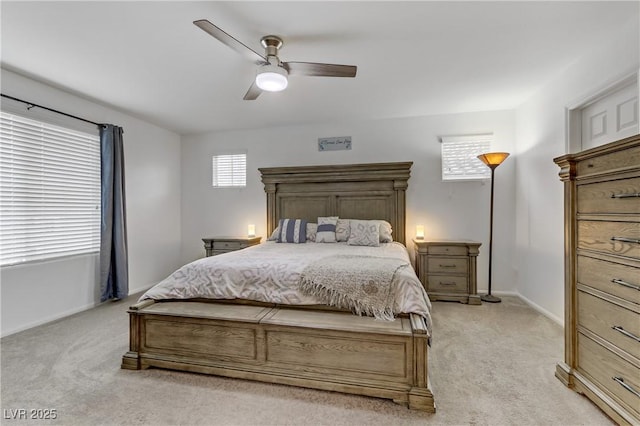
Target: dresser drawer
[
  {"x": 600, "y": 316},
  {"x": 612, "y": 278},
  {"x": 448, "y": 284},
  {"x": 614, "y": 196},
  {"x": 448, "y": 250},
  {"x": 228, "y": 245},
  {"x": 607, "y": 237},
  {"x": 455, "y": 265},
  {"x": 603, "y": 365},
  {"x": 605, "y": 163}
]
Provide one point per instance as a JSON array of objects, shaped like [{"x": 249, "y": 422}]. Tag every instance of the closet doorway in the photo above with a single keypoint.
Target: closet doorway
[{"x": 607, "y": 116}]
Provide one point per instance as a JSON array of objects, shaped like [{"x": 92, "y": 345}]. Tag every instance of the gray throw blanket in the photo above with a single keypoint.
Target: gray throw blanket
[{"x": 359, "y": 283}]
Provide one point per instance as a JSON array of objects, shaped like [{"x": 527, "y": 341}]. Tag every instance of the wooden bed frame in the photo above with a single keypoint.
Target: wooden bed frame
[{"x": 314, "y": 347}]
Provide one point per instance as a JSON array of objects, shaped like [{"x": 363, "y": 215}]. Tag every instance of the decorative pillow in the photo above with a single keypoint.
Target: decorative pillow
[
  {"x": 385, "y": 230},
  {"x": 292, "y": 231},
  {"x": 312, "y": 229},
  {"x": 364, "y": 233},
  {"x": 326, "y": 232},
  {"x": 342, "y": 230},
  {"x": 274, "y": 234}
]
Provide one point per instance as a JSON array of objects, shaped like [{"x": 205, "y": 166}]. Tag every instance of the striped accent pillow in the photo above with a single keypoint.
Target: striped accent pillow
[
  {"x": 326, "y": 232},
  {"x": 292, "y": 231}
]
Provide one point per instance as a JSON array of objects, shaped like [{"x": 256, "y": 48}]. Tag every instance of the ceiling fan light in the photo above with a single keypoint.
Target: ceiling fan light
[{"x": 272, "y": 78}]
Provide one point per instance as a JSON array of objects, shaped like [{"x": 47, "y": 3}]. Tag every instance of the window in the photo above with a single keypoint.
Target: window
[
  {"x": 230, "y": 170},
  {"x": 459, "y": 157},
  {"x": 49, "y": 190}
]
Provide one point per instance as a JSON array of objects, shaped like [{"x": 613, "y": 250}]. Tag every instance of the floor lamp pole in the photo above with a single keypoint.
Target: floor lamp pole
[
  {"x": 492, "y": 160},
  {"x": 489, "y": 297}
]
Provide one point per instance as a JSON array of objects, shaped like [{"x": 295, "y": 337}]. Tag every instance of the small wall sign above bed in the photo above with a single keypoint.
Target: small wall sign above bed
[{"x": 341, "y": 143}]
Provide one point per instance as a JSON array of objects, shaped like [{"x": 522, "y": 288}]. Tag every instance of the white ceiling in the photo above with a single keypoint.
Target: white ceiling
[{"x": 414, "y": 58}]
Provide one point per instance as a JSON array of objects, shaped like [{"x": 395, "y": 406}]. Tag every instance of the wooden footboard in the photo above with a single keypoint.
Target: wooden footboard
[{"x": 326, "y": 350}]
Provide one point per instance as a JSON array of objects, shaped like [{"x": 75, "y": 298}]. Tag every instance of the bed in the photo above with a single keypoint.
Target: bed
[{"x": 295, "y": 339}]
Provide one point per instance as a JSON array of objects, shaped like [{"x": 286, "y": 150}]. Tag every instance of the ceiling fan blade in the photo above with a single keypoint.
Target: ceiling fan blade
[
  {"x": 225, "y": 38},
  {"x": 253, "y": 92},
  {"x": 320, "y": 70}
]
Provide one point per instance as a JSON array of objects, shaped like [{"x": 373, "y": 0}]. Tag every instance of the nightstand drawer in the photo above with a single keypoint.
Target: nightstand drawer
[
  {"x": 454, "y": 265},
  {"x": 447, "y": 269},
  {"x": 228, "y": 245},
  {"x": 447, "y": 283},
  {"x": 448, "y": 250},
  {"x": 219, "y": 245}
]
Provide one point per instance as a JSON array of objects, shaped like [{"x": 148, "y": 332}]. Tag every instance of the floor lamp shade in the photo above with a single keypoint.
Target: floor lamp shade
[{"x": 492, "y": 160}]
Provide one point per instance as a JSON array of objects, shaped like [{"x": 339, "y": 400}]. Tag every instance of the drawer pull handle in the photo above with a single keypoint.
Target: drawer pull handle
[
  {"x": 447, "y": 283},
  {"x": 621, "y": 382},
  {"x": 625, "y": 284},
  {"x": 636, "y": 195},
  {"x": 626, "y": 240},
  {"x": 447, "y": 266},
  {"x": 626, "y": 333}
]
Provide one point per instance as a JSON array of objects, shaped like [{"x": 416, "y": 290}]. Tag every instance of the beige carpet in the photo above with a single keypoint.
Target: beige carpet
[{"x": 490, "y": 365}]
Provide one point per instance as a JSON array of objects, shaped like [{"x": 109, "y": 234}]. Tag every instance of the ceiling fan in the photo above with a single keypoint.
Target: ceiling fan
[{"x": 272, "y": 74}]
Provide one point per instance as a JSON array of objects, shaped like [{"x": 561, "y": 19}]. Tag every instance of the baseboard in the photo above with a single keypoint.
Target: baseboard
[
  {"x": 538, "y": 308},
  {"x": 499, "y": 293},
  {"x": 50, "y": 319},
  {"x": 67, "y": 313},
  {"x": 502, "y": 293},
  {"x": 141, "y": 289},
  {"x": 543, "y": 311}
]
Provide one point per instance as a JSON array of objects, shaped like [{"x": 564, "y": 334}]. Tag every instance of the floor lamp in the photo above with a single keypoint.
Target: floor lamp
[{"x": 492, "y": 160}]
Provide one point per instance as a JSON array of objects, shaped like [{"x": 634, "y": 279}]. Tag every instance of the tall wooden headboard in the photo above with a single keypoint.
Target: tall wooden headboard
[{"x": 351, "y": 191}]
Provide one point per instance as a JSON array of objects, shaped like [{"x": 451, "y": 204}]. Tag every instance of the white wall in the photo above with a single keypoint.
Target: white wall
[
  {"x": 541, "y": 131},
  {"x": 36, "y": 293},
  {"x": 447, "y": 210}
]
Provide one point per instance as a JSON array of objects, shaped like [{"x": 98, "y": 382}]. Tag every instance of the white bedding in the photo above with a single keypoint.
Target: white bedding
[{"x": 270, "y": 272}]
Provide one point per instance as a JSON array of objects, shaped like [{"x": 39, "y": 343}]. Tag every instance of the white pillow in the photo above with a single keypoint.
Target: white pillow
[
  {"x": 364, "y": 233},
  {"x": 386, "y": 233},
  {"x": 342, "y": 230},
  {"x": 274, "y": 234},
  {"x": 326, "y": 231},
  {"x": 312, "y": 229}
]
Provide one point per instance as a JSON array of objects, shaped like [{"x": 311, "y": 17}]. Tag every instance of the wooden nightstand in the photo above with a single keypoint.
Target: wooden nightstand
[
  {"x": 219, "y": 245},
  {"x": 447, "y": 269}
]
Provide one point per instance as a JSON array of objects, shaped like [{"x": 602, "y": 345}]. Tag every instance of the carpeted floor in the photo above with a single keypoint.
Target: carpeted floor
[{"x": 490, "y": 365}]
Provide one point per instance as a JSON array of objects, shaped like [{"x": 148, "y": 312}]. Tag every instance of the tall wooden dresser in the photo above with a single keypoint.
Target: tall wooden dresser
[{"x": 602, "y": 276}]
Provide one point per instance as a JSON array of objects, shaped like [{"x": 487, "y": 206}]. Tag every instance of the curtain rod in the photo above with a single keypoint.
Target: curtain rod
[{"x": 32, "y": 105}]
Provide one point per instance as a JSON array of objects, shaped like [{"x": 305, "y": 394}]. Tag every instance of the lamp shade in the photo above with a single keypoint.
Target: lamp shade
[
  {"x": 420, "y": 232},
  {"x": 271, "y": 78},
  {"x": 493, "y": 159},
  {"x": 251, "y": 230}
]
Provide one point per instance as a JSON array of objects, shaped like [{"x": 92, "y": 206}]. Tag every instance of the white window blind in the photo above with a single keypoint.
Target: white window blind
[
  {"x": 460, "y": 157},
  {"x": 49, "y": 190},
  {"x": 230, "y": 170}
]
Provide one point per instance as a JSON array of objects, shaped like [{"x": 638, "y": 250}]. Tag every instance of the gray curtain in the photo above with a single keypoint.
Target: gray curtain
[{"x": 114, "y": 271}]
